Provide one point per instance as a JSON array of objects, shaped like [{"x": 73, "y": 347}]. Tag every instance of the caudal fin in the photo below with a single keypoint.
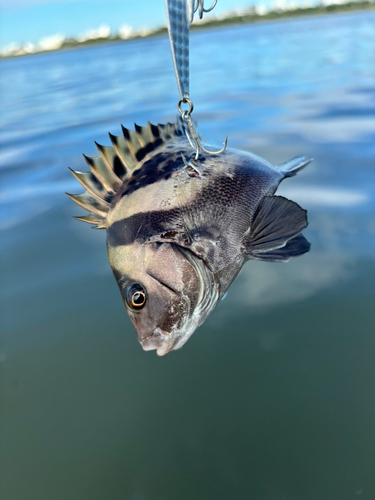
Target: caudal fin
[{"x": 293, "y": 166}]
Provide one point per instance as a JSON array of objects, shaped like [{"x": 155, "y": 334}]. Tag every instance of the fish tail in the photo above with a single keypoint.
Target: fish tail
[{"x": 291, "y": 167}]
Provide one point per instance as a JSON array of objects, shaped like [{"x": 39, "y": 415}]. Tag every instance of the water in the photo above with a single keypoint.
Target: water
[{"x": 273, "y": 397}]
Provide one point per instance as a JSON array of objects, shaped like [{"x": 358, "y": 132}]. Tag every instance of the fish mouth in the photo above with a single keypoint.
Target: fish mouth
[{"x": 158, "y": 341}]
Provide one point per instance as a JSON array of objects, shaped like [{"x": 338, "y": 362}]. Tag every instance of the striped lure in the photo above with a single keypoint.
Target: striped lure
[{"x": 179, "y": 230}]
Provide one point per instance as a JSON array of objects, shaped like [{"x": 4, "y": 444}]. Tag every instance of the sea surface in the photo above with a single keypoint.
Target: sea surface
[{"x": 273, "y": 398}]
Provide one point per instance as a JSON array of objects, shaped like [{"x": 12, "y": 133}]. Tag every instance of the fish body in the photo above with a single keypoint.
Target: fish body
[{"x": 179, "y": 230}]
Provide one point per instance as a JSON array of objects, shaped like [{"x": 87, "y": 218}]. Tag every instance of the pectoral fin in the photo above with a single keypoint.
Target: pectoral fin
[{"x": 275, "y": 230}]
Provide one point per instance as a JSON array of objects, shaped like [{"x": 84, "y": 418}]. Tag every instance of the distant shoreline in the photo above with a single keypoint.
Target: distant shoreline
[{"x": 251, "y": 17}]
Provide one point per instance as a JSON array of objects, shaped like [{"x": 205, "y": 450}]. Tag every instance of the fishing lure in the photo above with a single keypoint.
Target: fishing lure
[{"x": 182, "y": 219}]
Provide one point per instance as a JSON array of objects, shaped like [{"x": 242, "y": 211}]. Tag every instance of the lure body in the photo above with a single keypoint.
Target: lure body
[{"x": 179, "y": 230}]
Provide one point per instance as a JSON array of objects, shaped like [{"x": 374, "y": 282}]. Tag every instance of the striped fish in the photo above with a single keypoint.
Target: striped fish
[{"x": 179, "y": 230}]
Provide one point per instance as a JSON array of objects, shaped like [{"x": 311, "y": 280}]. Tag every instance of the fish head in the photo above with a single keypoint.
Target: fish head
[{"x": 167, "y": 292}]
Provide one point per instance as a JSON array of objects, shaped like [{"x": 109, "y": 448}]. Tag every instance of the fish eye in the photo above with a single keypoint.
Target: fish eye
[{"x": 136, "y": 297}]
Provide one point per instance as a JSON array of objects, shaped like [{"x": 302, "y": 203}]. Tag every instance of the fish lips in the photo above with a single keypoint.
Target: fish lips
[
  {"x": 158, "y": 341},
  {"x": 152, "y": 337},
  {"x": 155, "y": 338}
]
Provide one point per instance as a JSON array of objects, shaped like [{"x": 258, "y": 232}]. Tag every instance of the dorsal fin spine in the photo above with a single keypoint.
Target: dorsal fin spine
[
  {"x": 114, "y": 141},
  {"x": 84, "y": 201},
  {"x": 91, "y": 162},
  {"x": 153, "y": 131},
  {"x": 140, "y": 131},
  {"x": 131, "y": 139},
  {"x": 83, "y": 179},
  {"x": 171, "y": 127},
  {"x": 92, "y": 219},
  {"x": 103, "y": 155},
  {"x": 163, "y": 132}
]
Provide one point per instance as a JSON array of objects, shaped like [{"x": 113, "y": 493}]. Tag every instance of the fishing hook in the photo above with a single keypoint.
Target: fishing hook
[
  {"x": 200, "y": 5},
  {"x": 192, "y": 133}
]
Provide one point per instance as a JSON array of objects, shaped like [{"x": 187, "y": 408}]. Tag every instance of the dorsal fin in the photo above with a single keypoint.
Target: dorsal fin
[{"x": 116, "y": 164}]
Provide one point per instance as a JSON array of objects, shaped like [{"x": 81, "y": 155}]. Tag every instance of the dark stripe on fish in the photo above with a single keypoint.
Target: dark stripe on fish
[
  {"x": 163, "y": 224},
  {"x": 144, "y": 225}
]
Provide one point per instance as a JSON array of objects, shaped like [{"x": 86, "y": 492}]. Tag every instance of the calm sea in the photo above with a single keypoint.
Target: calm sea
[{"x": 273, "y": 398}]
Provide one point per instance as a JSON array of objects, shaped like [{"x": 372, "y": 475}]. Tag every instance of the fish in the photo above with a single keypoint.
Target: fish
[{"x": 179, "y": 230}]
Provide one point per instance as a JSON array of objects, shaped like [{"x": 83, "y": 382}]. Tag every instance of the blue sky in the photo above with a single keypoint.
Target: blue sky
[{"x": 24, "y": 21}]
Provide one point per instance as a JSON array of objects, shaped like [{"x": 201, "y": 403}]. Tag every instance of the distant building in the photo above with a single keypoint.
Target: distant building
[
  {"x": 261, "y": 9},
  {"x": 125, "y": 31},
  {"x": 53, "y": 42},
  {"x": 104, "y": 31}
]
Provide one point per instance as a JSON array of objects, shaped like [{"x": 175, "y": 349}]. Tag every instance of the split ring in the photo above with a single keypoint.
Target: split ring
[{"x": 185, "y": 100}]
